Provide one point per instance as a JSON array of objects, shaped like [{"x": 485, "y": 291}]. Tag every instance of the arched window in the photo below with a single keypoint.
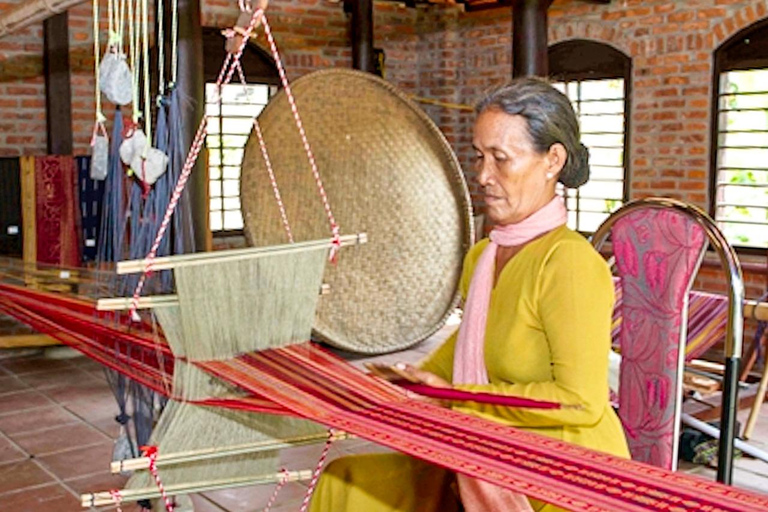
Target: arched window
[
  {"x": 739, "y": 185},
  {"x": 230, "y": 119},
  {"x": 596, "y": 78}
]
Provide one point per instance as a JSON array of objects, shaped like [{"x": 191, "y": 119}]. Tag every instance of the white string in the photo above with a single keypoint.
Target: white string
[
  {"x": 147, "y": 99},
  {"x": 174, "y": 38},
  {"x": 133, "y": 39},
  {"x": 121, "y": 26},
  {"x": 160, "y": 49},
  {"x": 96, "y": 60}
]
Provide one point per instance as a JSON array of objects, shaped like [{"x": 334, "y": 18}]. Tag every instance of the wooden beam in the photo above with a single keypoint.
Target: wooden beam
[
  {"x": 29, "y": 209},
  {"x": 361, "y": 24},
  {"x": 58, "y": 95},
  {"x": 529, "y": 38},
  {"x": 27, "y": 340},
  {"x": 30, "y": 12},
  {"x": 190, "y": 83}
]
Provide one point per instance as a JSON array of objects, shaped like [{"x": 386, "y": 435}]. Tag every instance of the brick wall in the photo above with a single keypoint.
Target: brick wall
[{"x": 442, "y": 53}]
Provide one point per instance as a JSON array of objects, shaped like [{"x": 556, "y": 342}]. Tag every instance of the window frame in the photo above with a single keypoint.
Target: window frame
[
  {"x": 745, "y": 50},
  {"x": 259, "y": 68},
  {"x": 577, "y": 60}
]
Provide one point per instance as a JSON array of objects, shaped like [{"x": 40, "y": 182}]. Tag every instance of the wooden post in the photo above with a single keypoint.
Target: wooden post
[
  {"x": 191, "y": 87},
  {"x": 362, "y": 34},
  {"x": 529, "y": 38},
  {"x": 58, "y": 95}
]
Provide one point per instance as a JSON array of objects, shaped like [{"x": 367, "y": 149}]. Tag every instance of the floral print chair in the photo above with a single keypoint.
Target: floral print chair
[{"x": 658, "y": 246}]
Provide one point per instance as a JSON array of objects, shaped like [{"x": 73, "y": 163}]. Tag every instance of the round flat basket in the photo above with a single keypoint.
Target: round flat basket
[{"x": 388, "y": 172}]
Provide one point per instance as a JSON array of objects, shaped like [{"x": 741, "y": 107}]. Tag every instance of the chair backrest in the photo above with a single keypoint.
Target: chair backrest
[{"x": 658, "y": 252}]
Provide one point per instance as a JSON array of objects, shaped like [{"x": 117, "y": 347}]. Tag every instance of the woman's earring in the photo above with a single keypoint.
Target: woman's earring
[{"x": 550, "y": 175}]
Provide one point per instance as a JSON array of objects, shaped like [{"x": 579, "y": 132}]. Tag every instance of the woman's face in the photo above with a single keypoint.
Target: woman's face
[{"x": 516, "y": 179}]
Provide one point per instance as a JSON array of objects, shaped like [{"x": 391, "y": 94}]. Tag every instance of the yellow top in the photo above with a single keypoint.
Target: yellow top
[{"x": 547, "y": 338}]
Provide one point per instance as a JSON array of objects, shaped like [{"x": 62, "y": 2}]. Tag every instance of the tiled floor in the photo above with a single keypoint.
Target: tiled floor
[{"x": 57, "y": 428}]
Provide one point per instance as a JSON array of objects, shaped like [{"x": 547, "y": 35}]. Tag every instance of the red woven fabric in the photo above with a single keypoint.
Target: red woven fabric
[
  {"x": 306, "y": 381},
  {"x": 57, "y": 220},
  {"x": 318, "y": 386}
]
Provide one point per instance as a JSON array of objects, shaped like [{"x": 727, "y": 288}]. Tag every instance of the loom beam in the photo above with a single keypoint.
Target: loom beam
[
  {"x": 214, "y": 453},
  {"x": 101, "y": 499}
]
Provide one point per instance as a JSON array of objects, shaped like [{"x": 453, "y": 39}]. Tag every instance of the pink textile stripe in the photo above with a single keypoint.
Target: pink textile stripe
[
  {"x": 469, "y": 356},
  {"x": 707, "y": 320},
  {"x": 482, "y": 398},
  {"x": 566, "y": 475}
]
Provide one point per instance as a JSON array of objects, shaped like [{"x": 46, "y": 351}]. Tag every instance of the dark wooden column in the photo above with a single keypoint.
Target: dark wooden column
[
  {"x": 529, "y": 38},
  {"x": 191, "y": 87},
  {"x": 362, "y": 33},
  {"x": 58, "y": 94}
]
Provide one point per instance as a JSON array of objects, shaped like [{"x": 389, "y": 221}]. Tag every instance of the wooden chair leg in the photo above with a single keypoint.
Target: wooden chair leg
[{"x": 759, "y": 398}]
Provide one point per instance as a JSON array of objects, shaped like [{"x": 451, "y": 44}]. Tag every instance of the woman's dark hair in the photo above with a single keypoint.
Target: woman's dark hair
[{"x": 550, "y": 118}]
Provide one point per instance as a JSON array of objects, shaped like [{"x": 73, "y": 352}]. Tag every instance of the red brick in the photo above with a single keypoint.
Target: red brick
[{"x": 714, "y": 12}]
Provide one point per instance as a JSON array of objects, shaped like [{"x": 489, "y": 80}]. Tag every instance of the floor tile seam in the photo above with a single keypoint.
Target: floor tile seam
[
  {"x": 28, "y": 390},
  {"x": 75, "y": 419},
  {"x": 68, "y": 366},
  {"x": 31, "y": 409},
  {"x": 69, "y": 449},
  {"x": 29, "y": 488},
  {"x": 70, "y": 374},
  {"x": 13, "y": 443},
  {"x": 213, "y": 502},
  {"x": 59, "y": 480}
]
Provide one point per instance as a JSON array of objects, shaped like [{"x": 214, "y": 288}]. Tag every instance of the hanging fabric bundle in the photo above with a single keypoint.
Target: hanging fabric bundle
[
  {"x": 146, "y": 162},
  {"x": 99, "y": 138},
  {"x": 115, "y": 74}
]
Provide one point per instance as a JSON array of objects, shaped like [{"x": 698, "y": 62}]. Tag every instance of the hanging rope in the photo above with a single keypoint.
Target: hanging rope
[
  {"x": 97, "y": 61},
  {"x": 316, "y": 474},
  {"x": 285, "y": 474},
  {"x": 268, "y": 164},
  {"x": 160, "y": 43},
  {"x": 151, "y": 453},
  {"x": 117, "y": 498},
  {"x": 145, "y": 58},
  {"x": 313, "y": 164},
  {"x": 174, "y": 39},
  {"x": 194, "y": 151}
]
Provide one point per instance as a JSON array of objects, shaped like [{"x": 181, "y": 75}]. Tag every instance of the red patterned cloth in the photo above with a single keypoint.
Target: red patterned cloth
[
  {"x": 58, "y": 230},
  {"x": 316, "y": 385}
]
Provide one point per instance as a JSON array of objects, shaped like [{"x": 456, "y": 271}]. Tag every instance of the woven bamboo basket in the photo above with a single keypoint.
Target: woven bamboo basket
[{"x": 388, "y": 172}]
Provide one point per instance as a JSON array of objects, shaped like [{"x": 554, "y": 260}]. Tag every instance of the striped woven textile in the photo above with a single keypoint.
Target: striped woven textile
[
  {"x": 306, "y": 381},
  {"x": 316, "y": 385},
  {"x": 129, "y": 348},
  {"x": 707, "y": 320}
]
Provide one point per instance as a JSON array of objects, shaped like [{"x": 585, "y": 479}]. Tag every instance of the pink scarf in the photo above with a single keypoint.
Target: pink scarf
[{"x": 469, "y": 355}]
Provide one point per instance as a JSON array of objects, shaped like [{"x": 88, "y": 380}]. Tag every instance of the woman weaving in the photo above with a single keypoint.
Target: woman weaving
[{"x": 537, "y": 316}]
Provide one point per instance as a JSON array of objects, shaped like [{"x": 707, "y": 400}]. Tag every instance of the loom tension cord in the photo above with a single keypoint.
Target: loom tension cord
[
  {"x": 318, "y": 469},
  {"x": 285, "y": 474},
  {"x": 151, "y": 453},
  {"x": 267, "y": 162},
  {"x": 257, "y": 16},
  {"x": 117, "y": 498}
]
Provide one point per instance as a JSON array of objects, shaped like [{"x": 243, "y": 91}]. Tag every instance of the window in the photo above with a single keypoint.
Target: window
[
  {"x": 740, "y": 139},
  {"x": 230, "y": 120},
  {"x": 595, "y": 77}
]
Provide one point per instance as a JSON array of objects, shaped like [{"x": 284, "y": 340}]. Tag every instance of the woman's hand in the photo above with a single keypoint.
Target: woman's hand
[
  {"x": 420, "y": 376},
  {"x": 403, "y": 371}
]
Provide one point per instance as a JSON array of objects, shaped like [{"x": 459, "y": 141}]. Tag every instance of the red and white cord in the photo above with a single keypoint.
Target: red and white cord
[
  {"x": 318, "y": 469},
  {"x": 117, "y": 498},
  {"x": 151, "y": 453},
  {"x": 335, "y": 231},
  {"x": 194, "y": 151},
  {"x": 268, "y": 164},
  {"x": 283, "y": 480}
]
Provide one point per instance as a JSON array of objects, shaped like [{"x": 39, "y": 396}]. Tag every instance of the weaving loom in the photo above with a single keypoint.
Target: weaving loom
[{"x": 220, "y": 371}]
